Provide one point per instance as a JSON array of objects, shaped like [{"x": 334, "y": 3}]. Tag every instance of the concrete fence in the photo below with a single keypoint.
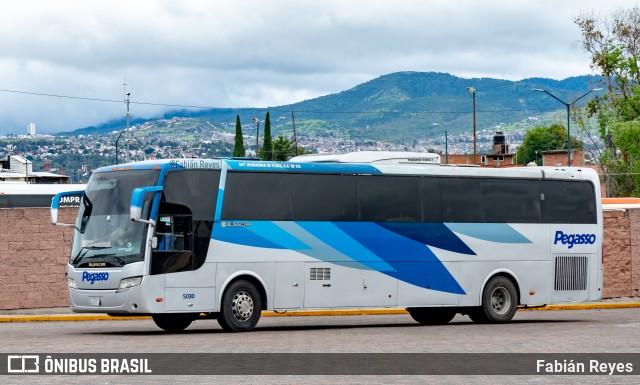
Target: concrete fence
[{"x": 34, "y": 256}]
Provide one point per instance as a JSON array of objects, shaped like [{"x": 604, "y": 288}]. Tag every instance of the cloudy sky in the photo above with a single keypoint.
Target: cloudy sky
[{"x": 257, "y": 53}]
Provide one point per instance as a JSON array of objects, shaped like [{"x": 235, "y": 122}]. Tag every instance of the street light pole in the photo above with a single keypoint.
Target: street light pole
[
  {"x": 472, "y": 91},
  {"x": 446, "y": 144},
  {"x": 117, "y": 140},
  {"x": 257, "y": 121},
  {"x": 568, "y": 105},
  {"x": 128, "y": 133}
]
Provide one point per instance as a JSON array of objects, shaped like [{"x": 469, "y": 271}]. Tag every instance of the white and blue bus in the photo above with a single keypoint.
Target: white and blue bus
[{"x": 226, "y": 239}]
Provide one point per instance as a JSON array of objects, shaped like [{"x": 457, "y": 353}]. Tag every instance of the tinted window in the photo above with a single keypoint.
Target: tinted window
[
  {"x": 388, "y": 198},
  {"x": 257, "y": 196},
  {"x": 185, "y": 220},
  {"x": 24, "y": 200},
  {"x": 195, "y": 189},
  {"x": 431, "y": 199},
  {"x": 324, "y": 197},
  {"x": 109, "y": 193},
  {"x": 510, "y": 201},
  {"x": 568, "y": 202},
  {"x": 461, "y": 201}
]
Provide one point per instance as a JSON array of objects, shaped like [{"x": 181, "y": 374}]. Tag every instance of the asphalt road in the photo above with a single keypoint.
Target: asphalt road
[{"x": 580, "y": 331}]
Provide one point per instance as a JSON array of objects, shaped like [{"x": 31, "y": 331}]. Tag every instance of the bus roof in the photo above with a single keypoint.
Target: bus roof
[
  {"x": 361, "y": 168},
  {"x": 372, "y": 157},
  {"x": 37, "y": 188}
]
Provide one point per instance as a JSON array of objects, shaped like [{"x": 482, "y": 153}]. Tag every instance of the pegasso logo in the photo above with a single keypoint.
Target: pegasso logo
[
  {"x": 93, "y": 277},
  {"x": 574, "y": 239}
]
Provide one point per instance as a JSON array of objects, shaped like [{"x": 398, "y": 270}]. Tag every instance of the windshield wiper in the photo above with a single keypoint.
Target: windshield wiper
[{"x": 85, "y": 249}]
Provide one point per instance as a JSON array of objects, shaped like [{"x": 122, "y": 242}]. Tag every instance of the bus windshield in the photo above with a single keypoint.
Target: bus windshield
[{"x": 105, "y": 236}]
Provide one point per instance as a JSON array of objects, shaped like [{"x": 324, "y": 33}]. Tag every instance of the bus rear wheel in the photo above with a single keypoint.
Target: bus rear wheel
[
  {"x": 431, "y": 316},
  {"x": 173, "y": 323},
  {"x": 240, "y": 308},
  {"x": 499, "y": 302}
]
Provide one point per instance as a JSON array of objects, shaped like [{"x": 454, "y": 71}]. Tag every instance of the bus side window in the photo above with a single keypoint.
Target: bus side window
[
  {"x": 174, "y": 251},
  {"x": 173, "y": 233}
]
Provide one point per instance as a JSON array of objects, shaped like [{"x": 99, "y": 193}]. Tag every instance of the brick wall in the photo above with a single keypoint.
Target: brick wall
[
  {"x": 559, "y": 158},
  {"x": 34, "y": 256},
  {"x": 617, "y": 254},
  {"x": 634, "y": 222}
]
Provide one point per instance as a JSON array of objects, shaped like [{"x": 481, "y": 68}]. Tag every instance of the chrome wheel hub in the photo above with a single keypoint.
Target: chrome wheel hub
[
  {"x": 242, "y": 306},
  {"x": 500, "y": 300}
]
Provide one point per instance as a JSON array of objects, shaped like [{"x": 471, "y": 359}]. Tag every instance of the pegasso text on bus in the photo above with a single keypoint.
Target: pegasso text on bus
[
  {"x": 574, "y": 239},
  {"x": 93, "y": 277}
]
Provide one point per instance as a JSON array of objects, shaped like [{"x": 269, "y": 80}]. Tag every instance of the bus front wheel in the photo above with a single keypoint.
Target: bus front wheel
[
  {"x": 431, "y": 316},
  {"x": 499, "y": 302},
  {"x": 240, "y": 308},
  {"x": 173, "y": 323}
]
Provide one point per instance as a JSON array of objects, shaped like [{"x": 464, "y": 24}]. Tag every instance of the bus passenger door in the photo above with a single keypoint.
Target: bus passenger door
[{"x": 318, "y": 290}]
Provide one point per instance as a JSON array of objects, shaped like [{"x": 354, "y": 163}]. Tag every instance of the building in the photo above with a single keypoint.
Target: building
[
  {"x": 31, "y": 129},
  {"x": 17, "y": 169},
  {"x": 498, "y": 157},
  {"x": 560, "y": 157}
]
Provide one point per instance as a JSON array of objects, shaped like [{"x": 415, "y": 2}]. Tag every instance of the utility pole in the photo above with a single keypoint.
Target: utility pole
[
  {"x": 126, "y": 101},
  {"x": 295, "y": 138},
  {"x": 128, "y": 131},
  {"x": 257, "y": 122},
  {"x": 472, "y": 91}
]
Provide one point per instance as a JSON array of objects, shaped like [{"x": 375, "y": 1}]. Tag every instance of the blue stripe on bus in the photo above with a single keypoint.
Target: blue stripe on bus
[
  {"x": 303, "y": 167},
  {"x": 426, "y": 269},
  {"x": 273, "y": 232},
  {"x": 334, "y": 236},
  {"x": 376, "y": 246},
  {"x": 431, "y": 234},
  {"x": 242, "y": 236},
  {"x": 320, "y": 250},
  {"x": 492, "y": 232}
]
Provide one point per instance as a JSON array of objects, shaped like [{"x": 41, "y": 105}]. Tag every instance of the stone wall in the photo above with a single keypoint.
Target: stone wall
[
  {"x": 34, "y": 256},
  {"x": 621, "y": 253}
]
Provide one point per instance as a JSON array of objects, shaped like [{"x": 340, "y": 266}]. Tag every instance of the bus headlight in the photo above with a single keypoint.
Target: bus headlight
[
  {"x": 129, "y": 283},
  {"x": 71, "y": 283}
]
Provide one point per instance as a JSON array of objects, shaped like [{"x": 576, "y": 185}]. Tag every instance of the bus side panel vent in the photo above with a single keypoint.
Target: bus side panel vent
[
  {"x": 571, "y": 273},
  {"x": 320, "y": 274}
]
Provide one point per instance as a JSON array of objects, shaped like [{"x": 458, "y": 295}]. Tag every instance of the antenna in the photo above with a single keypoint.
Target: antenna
[{"x": 126, "y": 100}]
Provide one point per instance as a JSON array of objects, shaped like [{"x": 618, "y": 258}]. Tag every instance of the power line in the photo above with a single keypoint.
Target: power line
[{"x": 267, "y": 108}]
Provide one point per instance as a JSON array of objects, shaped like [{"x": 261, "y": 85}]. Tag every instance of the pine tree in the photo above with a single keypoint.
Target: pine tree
[
  {"x": 238, "y": 148},
  {"x": 266, "y": 153}
]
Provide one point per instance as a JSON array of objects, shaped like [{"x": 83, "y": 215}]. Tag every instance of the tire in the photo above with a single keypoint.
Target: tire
[
  {"x": 478, "y": 316},
  {"x": 173, "y": 323},
  {"x": 432, "y": 316},
  {"x": 499, "y": 302},
  {"x": 240, "y": 308}
]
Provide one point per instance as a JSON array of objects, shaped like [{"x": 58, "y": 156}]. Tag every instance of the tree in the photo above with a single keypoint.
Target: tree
[
  {"x": 542, "y": 138},
  {"x": 283, "y": 149},
  {"x": 266, "y": 152},
  {"x": 614, "y": 45},
  {"x": 238, "y": 147},
  {"x": 626, "y": 137}
]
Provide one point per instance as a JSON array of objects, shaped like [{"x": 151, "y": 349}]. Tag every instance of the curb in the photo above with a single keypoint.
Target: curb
[{"x": 299, "y": 313}]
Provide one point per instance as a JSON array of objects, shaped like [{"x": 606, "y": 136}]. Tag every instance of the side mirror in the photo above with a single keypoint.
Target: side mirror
[
  {"x": 137, "y": 201},
  {"x": 67, "y": 198}
]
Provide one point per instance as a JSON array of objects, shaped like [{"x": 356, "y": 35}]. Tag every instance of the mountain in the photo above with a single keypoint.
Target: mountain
[{"x": 397, "y": 106}]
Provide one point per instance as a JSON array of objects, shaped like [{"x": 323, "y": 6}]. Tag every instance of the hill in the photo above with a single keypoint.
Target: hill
[{"x": 396, "y": 107}]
